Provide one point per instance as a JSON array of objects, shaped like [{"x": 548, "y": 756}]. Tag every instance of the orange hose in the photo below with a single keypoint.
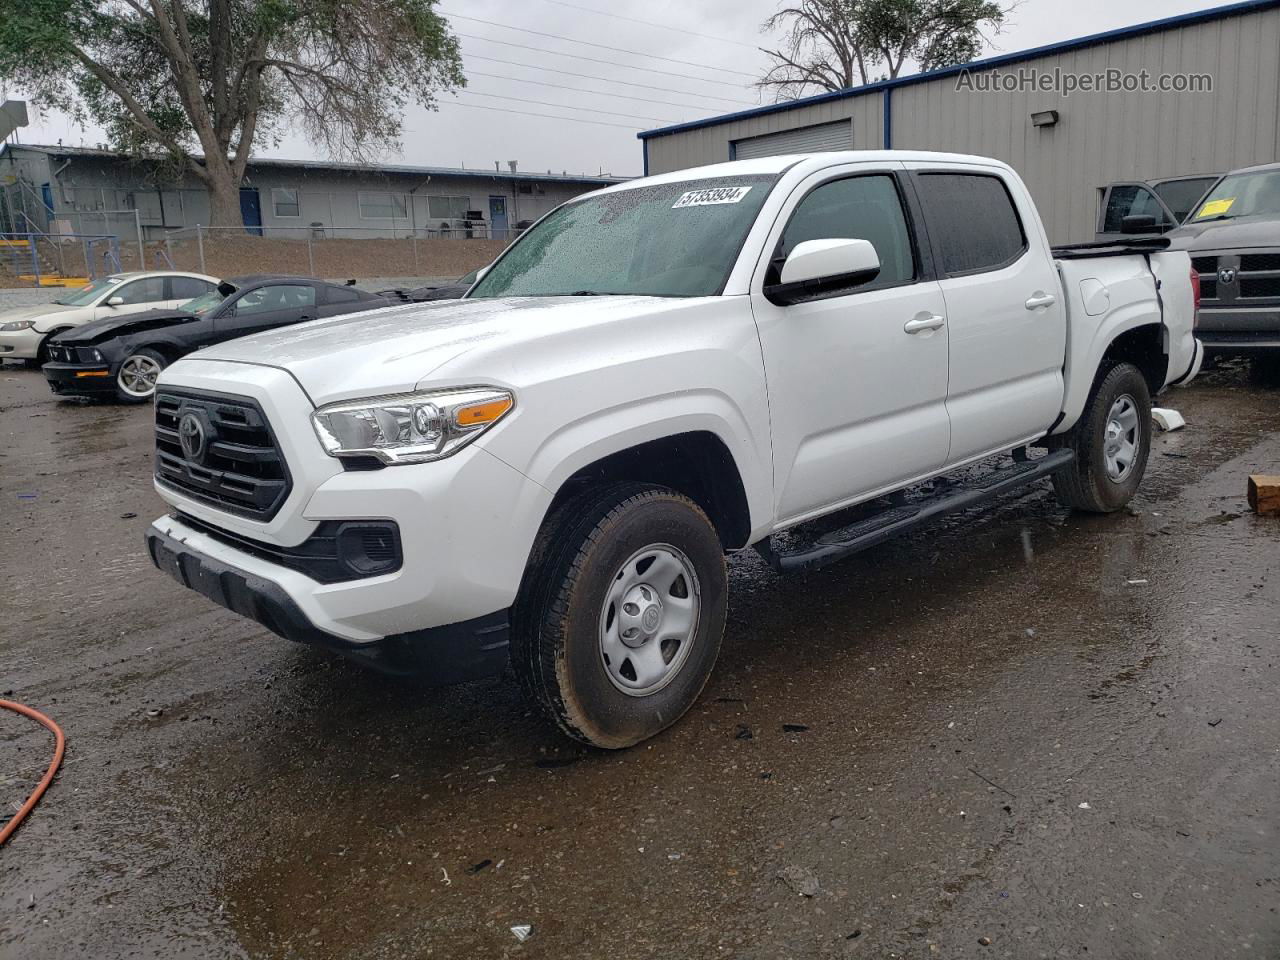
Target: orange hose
[{"x": 58, "y": 750}]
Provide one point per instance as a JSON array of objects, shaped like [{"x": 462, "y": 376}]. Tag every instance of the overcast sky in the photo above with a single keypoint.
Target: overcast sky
[{"x": 698, "y": 59}]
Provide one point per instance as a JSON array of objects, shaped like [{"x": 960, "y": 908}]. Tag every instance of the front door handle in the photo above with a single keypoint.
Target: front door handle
[
  {"x": 1039, "y": 300},
  {"x": 926, "y": 321}
]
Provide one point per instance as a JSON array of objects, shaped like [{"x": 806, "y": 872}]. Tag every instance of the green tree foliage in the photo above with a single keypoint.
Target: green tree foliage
[
  {"x": 837, "y": 44},
  {"x": 199, "y": 82}
]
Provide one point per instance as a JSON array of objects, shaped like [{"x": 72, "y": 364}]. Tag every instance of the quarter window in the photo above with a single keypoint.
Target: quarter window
[
  {"x": 383, "y": 206},
  {"x": 857, "y": 208},
  {"x": 284, "y": 201},
  {"x": 974, "y": 220}
]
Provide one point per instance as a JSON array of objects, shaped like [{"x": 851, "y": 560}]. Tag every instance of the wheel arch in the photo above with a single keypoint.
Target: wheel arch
[
  {"x": 696, "y": 463},
  {"x": 1137, "y": 340}
]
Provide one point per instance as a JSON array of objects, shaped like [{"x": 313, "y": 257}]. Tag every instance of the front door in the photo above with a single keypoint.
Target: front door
[
  {"x": 135, "y": 296},
  {"x": 857, "y": 378},
  {"x": 264, "y": 308},
  {"x": 1120, "y": 200},
  {"x": 251, "y": 210},
  {"x": 1007, "y": 324},
  {"x": 498, "y": 216}
]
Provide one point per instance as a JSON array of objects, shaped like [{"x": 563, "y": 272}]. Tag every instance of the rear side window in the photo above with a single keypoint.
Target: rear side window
[
  {"x": 341, "y": 295},
  {"x": 188, "y": 288},
  {"x": 973, "y": 220},
  {"x": 857, "y": 208}
]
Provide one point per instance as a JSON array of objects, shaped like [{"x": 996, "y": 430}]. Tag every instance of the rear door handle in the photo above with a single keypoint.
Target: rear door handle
[
  {"x": 1039, "y": 300},
  {"x": 926, "y": 321}
]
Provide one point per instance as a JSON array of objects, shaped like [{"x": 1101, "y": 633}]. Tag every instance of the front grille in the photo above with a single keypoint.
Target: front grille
[
  {"x": 237, "y": 468},
  {"x": 1208, "y": 289},
  {"x": 1252, "y": 262},
  {"x": 62, "y": 354},
  {"x": 1254, "y": 287},
  {"x": 1205, "y": 264}
]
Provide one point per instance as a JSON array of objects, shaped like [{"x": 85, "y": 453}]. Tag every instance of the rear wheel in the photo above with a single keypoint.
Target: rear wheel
[
  {"x": 619, "y": 620},
  {"x": 1112, "y": 442},
  {"x": 136, "y": 380}
]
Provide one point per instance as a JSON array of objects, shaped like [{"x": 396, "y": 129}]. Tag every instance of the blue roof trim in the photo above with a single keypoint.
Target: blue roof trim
[{"x": 1093, "y": 40}]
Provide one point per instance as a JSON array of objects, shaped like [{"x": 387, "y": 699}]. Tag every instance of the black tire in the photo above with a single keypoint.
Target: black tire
[
  {"x": 556, "y": 645},
  {"x": 1086, "y": 484},
  {"x": 1264, "y": 371},
  {"x": 142, "y": 354}
]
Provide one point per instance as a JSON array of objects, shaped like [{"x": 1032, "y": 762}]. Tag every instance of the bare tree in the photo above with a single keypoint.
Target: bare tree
[{"x": 837, "y": 44}]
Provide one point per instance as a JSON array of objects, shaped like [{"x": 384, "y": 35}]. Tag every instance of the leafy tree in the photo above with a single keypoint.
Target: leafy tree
[
  {"x": 198, "y": 83},
  {"x": 836, "y": 44}
]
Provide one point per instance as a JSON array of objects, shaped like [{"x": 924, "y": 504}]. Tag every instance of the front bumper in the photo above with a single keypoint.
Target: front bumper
[
  {"x": 1239, "y": 330},
  {"x": 454, "y": 653},
  {"x": 80, "y": 379},
  {"x": 20, "y": 344}
]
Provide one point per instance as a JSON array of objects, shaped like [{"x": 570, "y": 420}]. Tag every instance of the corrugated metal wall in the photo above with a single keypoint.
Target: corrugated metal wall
[
  {"x": 1100, "y": 137},
  {"x": 696, "y": 148}
]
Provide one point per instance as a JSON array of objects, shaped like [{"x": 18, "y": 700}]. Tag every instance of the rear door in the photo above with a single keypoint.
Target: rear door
[
  {"x": 1007, "y": 327},
  {"x": 1130, "y": 199},
  {"x": 857, "y": 378},
  {"x": 265, "y": 308}
]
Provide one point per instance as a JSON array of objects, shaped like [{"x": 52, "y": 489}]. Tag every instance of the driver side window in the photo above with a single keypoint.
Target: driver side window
[
  {"x": 857, "y": 208},
  {"x": 285, "y": 296}
]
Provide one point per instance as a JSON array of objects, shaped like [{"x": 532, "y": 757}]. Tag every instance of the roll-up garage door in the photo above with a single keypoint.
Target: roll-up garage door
[{"x": 815, "y": 139}]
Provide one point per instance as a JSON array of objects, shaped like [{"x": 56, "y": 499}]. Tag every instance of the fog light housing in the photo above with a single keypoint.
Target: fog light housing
[{"x": 369, "y": 548}]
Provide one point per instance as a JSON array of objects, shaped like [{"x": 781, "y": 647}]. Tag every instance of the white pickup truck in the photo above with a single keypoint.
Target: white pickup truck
[{"x": 550, "y": 472}]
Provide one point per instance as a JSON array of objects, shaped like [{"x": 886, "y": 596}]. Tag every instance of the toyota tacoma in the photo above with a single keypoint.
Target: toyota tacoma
[{"x": 549, "y": 472}]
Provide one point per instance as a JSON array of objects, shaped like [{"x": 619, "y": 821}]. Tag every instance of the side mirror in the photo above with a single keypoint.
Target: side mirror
[
  {"x": 481, "y": 272},
  {"x": 1138, "y": 223},
  {"x": 820, "y": 266},
  {"x": 115, "y": 301}
]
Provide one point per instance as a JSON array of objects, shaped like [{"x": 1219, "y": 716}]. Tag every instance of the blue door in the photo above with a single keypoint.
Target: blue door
[
  {"x": 498, "y": 216},
  {"x": 46, "y": 194},
  {"x": 251, "y": 210}
]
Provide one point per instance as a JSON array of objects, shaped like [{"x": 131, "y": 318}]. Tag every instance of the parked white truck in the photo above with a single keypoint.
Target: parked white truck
[{"x": 550, "y": 471}]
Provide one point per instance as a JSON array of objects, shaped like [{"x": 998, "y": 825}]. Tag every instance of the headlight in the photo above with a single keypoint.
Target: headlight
[
  {"x": 410, "y": 427},
  {"x": 90, "y": 355},
  {"x": 15, "y": 325}
]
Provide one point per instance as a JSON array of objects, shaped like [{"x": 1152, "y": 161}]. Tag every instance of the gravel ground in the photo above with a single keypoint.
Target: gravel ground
[{"x": 1021, "y": 734}]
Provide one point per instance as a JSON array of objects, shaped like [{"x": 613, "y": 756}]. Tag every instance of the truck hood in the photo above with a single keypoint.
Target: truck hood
[
  {"x": 1260, "y": 231},
  {"x": 392, "y": 350},
  {"x": 99, "y": 330},
  {"x": 35, "y": 311}
]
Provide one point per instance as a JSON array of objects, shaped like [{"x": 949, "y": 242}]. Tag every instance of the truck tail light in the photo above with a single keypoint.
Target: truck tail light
[{"x": 1195, "y": 296}]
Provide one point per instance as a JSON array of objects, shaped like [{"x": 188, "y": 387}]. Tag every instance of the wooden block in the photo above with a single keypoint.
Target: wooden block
[{"x": 1264, "y": 495}]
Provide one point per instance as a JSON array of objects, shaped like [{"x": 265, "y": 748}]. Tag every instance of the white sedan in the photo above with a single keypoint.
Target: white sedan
[{"x": 24, "y": 331}]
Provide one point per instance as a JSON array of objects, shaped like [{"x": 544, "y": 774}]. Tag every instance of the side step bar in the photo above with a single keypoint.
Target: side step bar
[{"x": 893, "y": 521}]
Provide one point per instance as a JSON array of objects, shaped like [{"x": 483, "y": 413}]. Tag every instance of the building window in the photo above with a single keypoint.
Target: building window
[
  {"x": 450, "y": 208},
  {"x": 383, "y": 206},
  {"x": 284, "y": 201}
]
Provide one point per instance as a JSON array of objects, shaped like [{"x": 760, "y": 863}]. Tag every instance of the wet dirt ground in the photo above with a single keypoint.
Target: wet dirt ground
[{"x": 1022, "y": 734}]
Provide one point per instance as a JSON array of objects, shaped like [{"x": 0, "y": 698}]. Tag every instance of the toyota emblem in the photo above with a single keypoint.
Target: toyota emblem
[
  {"x": 191, "y": 437},
  {"x": 1227, "y": 275}
]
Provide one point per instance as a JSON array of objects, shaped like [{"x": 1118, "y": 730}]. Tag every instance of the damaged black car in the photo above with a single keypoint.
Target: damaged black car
[{"x": 121, "y": 357}]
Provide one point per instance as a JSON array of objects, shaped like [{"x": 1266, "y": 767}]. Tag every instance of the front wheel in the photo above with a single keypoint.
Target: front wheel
[
  {"x": 619, "y": 620},
  {"x": 136, "y": 381},
  {"x": 1112, "y": 442}
]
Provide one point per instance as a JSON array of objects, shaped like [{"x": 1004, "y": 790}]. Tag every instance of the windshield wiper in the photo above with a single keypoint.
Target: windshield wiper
[{"x": 586, "y": 293}]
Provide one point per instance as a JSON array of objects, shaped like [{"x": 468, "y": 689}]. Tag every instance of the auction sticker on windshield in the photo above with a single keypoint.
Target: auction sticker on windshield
[
  {"x": 1215, "y": 208},
  {"x": 703, "y": 198}
]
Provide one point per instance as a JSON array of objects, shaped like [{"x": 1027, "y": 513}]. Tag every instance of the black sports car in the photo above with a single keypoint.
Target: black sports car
[{"x": 122, "y": 356}]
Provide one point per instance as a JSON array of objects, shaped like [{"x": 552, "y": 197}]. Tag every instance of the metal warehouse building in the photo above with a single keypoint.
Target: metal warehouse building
[
  {"x": 1067, "y": 147},
  {"x": 81, "y": 190}
]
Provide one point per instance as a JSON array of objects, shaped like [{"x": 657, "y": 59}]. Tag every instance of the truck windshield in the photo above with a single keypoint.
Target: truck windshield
[
  {"x": 662, "y": 240},
  {"x": 1242, "y": 195}
]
